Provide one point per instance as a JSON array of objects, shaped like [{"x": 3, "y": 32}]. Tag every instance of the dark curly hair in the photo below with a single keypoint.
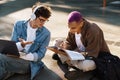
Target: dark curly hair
[{"x": 43, "y": 10}]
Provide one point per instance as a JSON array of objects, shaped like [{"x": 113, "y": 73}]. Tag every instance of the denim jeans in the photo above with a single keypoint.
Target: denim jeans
[{"x": 11, "y": 65}]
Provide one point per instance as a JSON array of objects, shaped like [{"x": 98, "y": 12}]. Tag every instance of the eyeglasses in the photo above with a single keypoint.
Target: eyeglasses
[
  {"x": 75, "y": 25},
  {"x": 42, "y": 20},
  {"x": 72, "y": 27}
]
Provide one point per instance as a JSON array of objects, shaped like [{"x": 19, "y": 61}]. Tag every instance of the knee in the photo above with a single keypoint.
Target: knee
[
  {"x": 87, "y": 65},
  {"x": 2, "y": 57}
]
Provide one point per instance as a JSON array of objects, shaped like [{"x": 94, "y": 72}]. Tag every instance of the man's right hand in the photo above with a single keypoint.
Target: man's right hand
[
  {"x": 24, "y": 43},
  {"x": 63, "y": 45}
]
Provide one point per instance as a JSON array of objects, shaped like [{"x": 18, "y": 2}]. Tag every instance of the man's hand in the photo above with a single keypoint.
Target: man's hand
[
  {"x": 63, "y": 45},
  {"x": 24, "y": 43}
]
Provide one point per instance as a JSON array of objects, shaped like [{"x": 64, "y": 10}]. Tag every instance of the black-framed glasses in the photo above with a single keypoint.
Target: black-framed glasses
[
  {"x": 42, "y": 20},
  {"x": 75, "y": 26}
]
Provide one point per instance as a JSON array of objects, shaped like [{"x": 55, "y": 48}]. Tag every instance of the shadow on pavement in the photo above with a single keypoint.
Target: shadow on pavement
[
  {"x": 10, "y": 6},
  {"x": 92, "y": 10}
]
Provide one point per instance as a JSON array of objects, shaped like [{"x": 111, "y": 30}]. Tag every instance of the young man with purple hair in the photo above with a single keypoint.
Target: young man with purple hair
[{"x": 84, "y": 37}]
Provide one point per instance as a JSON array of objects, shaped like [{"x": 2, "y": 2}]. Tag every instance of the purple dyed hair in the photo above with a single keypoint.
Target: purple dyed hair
[{"x": 74, "y": 16}]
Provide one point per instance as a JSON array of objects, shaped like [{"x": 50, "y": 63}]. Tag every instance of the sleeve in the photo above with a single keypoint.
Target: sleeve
[
  {"x": 40, "y": 53},
  {"x": 20, "y": 48},
  {"x": 29, "y": 57},
  {"x": 71, "y": 44},
  {"x": 94, "y": 41}
]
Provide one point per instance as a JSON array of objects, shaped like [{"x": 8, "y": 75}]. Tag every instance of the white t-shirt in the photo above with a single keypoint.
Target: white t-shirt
[
  {"x": 79, "y": 42},
  {"x": 31, "y": 35}
]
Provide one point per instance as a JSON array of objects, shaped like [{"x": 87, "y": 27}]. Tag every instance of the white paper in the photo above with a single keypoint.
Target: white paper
[{"x": 75, "y": 55}]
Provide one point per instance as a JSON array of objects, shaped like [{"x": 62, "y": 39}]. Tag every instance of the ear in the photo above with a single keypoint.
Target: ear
[{"x": 33, "y": 16}]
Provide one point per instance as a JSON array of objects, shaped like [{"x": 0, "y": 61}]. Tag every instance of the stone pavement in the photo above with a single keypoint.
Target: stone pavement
[{"x": 107, "y": 18}]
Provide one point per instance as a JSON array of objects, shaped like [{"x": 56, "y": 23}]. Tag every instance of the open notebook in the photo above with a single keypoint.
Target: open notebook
[
  {"x": 73, "y": 55},
  {"x": 9, "y": 48}
]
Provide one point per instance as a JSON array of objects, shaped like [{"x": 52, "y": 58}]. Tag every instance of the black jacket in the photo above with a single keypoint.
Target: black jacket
[{"x": 108, "y": 66}]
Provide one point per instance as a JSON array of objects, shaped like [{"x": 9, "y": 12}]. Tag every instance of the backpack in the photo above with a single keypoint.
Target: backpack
[{"x": 107, "y": 66}]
